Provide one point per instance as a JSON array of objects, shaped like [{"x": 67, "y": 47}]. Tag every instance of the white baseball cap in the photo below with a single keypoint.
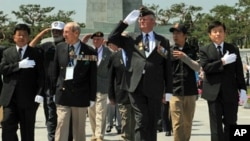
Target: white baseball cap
[{"x": 57, "y": 25}]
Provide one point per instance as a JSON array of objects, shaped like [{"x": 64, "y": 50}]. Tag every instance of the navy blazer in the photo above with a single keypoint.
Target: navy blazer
[{"x": 79, "y": 91}]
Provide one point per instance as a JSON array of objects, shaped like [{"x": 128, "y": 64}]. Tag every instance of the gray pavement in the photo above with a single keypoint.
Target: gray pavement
[{"x": 200, "y": 129}]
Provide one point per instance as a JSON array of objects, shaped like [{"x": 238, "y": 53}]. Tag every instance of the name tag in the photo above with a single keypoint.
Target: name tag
[{"x": 69, "y": 73}]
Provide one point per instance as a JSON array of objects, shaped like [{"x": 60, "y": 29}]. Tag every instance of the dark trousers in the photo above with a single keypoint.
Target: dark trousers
[
  {"x": 222, "y": 114},
  {"x": 147, "y": 113},
  {"x": 166, "y": 118},
  {"x": 127, "y": 121},
  {"x": 24, "y": 116},
  {"x": 50, "y": 115}
]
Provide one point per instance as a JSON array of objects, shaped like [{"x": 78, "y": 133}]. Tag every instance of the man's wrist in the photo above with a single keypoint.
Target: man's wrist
[{"x": 223, "y": 61}]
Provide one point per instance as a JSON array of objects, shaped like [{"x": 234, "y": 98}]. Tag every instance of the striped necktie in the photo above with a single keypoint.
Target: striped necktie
[
  {"x": 71, "y": 55},
  {"x": 146, "y": 43}
]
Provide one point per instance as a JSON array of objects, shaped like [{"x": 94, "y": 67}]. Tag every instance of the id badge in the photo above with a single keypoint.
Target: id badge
[{"x": 69, "y": 73}]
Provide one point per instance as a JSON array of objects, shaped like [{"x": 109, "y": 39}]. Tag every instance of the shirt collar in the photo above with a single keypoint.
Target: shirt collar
[
  {"x": 77, "y": 44},
  {"x": 24, "y": 47},
  {"x": 221, "y": 44},
  {"x": 150, "y": 34},
  {"x": 99, "y": 48}
]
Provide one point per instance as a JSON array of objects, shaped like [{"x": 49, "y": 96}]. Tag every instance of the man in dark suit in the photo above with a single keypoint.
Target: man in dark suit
[
  {"x": 223, "y": 81},
  {"x": 118, "y": 96},
  {"x": 22, "y": 86},
  {"x": 2, "y": 48},
  {"x": 75, "y": 71},
  {"x": 147, "y": 75}
]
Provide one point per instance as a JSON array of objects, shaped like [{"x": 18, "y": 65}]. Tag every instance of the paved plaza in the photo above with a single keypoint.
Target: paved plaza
[{"x": 200, "y": 129}]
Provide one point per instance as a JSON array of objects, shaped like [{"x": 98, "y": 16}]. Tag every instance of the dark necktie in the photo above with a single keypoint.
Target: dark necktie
[
  {"x": 20, "y": 53},
  {"x": 219, "y": 51},
  {"x": 71, "y": 55},
  {"x": 146, "y": 43}
]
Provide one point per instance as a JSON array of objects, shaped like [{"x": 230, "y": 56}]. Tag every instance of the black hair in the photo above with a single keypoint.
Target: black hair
[
  {"x": 24, "y": 27},
  {"x": 214, "y": 24}
]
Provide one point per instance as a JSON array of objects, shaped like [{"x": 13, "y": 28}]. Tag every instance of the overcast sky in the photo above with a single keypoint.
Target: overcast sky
[{"x": 80, "y": 5}]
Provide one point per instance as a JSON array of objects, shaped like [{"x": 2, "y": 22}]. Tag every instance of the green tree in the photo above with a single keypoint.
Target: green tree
[
  {"x": 34, "y": 15},
  {"x": 3, "y": 19}
]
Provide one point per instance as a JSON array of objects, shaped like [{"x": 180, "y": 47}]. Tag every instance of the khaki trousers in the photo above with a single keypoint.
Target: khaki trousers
[
  {"x": 182, "y": 110},
  {"x": 63, "y": 122},
  {"x": 97, "y": 116}
]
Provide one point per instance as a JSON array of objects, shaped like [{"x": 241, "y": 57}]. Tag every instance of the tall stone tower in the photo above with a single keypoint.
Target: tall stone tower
[{"x": 105, "y": 14}]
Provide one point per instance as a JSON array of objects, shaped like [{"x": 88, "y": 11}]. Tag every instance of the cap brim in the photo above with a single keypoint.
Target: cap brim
[
  {"x": 172, "y": 29},
  {"x": 94, "y": 36},
  {"x": 57, "y": 28}
]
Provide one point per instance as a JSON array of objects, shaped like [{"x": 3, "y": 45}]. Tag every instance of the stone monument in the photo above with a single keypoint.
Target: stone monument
[{"x": 103, "y": 15}]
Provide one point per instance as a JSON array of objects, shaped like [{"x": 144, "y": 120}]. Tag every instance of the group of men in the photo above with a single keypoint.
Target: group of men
[{"x": 143, "y": 72}]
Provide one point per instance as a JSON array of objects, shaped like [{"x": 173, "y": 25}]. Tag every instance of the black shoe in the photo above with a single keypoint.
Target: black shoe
[
  {"x": 108, "y": 129},
  {"x": 160, "y": 130},
  {"x": 168, "y": 133},
  {"x": 119, "y": 131},
  {"x": 159, "y": 125}
]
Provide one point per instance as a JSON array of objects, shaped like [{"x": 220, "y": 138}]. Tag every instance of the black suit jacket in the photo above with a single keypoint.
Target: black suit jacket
[
  {"x": 25, "y": 83},
  {"x": 2, "y": 48},
  {"x": 157, "y": 77},
  {"x": 218, "y": 77},
  {"x": 82, "y": 89},
  {"x": 117, "y": 68}
]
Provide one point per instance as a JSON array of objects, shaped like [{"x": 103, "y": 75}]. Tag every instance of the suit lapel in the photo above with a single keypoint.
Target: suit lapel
[
  {"x": 139, "y": 46},
  {"x": 157, "y": 41},
  {"x": 120, "y": 57},
  {"x": 213, "y": 51},
  {"x": 26, "y": 53},
  {"x": 15, "y": 53},
  {"x": 65, "y": 57},
  {"x": 225, "y": 48}
]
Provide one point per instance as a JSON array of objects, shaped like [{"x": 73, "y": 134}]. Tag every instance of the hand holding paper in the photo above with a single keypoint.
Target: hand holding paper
[{"x": 168, "y": 96}]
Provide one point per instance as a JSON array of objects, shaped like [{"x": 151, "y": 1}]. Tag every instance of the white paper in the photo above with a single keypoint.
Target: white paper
[
  {"x": 167, "y": 97},
  {"x": 69, "y": 73}
]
